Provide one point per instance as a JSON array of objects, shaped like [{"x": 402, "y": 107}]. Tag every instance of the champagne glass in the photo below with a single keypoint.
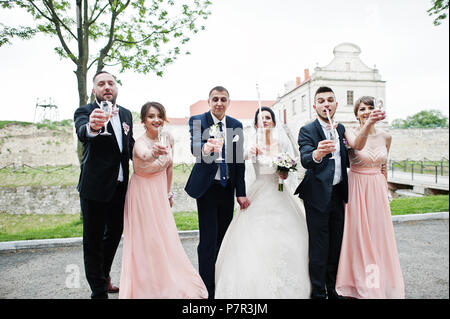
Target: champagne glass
[
  {"x": 220, "y": 138},
  {"x": 379, "y": 104},
  {"x": 163, "y": 138},
  {"x": 106, "y": 106},
  {"x": 333, "y": 133}
]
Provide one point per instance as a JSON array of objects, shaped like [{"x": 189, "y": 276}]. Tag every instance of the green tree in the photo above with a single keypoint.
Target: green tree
[
  {"x": 423, "y": 119},
  {"x": 139, "y": 35},
  {"x": 438, "y": 9}
]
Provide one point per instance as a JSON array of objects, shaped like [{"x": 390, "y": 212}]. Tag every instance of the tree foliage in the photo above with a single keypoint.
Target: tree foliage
[
  {"x": 139, "y": 35},
  {"x": 438, "y": 10},
  {"x": 423, "y": 119}
]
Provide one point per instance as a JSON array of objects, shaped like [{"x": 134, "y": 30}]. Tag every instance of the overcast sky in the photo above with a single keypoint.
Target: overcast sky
[{"x": 246, "y": 42}]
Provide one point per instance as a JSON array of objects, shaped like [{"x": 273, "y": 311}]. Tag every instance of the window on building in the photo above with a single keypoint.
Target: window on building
[
  {"x": 349, "y": 97},
  {"x": 303, "y": 107},
  {"x": 293, "y": 106},
  {"x": 347, "y": 66}
]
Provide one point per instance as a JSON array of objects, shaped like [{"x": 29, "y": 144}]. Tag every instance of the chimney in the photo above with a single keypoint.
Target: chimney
[
  {"x": 298, "y": 81},
  {"x": 306, "y": 74}
]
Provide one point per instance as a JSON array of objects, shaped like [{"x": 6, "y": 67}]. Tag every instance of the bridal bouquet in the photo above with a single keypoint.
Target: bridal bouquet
[{"x": 284, "y": 163}]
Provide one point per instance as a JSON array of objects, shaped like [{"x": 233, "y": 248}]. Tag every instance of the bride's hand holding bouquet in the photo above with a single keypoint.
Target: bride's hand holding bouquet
[{"x": 284, "y": 163}]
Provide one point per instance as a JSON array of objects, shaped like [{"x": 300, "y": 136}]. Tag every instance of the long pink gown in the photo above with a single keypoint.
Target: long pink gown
[
  {"x": 369, "y": 265},
  {"x": 154, "y": 263}
]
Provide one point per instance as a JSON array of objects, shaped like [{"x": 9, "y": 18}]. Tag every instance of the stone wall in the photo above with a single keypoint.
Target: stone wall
[
  {"x": 418, "y": 144},
  {"x": 39, "y": 200},
  {"x": 64, "y": 200}
]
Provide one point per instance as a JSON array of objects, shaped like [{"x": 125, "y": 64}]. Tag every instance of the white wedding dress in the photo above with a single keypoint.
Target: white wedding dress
[{"x": 264, "y": 253}]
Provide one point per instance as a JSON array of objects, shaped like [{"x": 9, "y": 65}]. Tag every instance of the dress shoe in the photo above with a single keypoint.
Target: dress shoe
[{"x": 109, "y": 287}]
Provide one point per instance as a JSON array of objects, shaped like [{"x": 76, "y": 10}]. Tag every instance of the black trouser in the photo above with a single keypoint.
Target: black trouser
[
  {"x": 102, "y": 231},
  {"x": 215, "y": 212},
  {"x": 325, "y": 230}
]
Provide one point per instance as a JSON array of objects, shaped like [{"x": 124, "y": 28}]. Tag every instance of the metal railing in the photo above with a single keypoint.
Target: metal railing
[{"x": 420, "y": 169}]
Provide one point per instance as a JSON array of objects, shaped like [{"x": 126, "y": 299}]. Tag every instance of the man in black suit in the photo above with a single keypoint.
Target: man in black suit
[
  {"x": 103, "y": 181},
  {"x": 214, "y": 183},
  {"x": 324, "y": 190}
]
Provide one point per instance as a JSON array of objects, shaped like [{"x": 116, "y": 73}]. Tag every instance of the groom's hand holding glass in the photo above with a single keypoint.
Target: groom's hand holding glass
[{"x": 325, "y": 147}]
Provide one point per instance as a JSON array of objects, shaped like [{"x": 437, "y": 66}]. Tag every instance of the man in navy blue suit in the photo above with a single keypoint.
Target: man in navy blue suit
[
  {"x": 324, "y": 191},
  {"x": 214, "y": 182}
]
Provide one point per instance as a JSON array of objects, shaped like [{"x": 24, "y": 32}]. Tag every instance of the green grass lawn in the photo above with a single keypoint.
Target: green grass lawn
[
  {"x": 64, "y": 175},
  {"x": 33, "y": 226},
  {"x": 419, "y": 205}
]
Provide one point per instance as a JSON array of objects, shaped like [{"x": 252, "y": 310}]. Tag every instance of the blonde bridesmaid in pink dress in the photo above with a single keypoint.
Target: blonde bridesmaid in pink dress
[
  {"x": 154, "y": 263},
  {"x": 369, "y": 266}
]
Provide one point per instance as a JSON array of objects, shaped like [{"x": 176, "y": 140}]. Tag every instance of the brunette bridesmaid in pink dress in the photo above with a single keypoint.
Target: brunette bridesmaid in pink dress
[
  {"x": 369, "y": 266},
  {"x": 154, "y": 263}
]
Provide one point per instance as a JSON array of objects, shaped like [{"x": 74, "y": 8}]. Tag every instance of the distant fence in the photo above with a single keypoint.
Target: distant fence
[
  {"x": 423, "y": 167},
  {"x": 24, "y": 168}
]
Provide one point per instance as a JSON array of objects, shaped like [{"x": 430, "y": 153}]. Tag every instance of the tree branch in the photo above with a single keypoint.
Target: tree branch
[
  {"x": 55, "y": 20},
  {"x": 104, "y": 51}
]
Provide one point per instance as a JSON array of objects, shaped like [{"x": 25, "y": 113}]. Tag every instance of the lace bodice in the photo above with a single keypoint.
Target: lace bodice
[
  {"x": 374, "y": 153},
  {"x": 143, "y": 162}
]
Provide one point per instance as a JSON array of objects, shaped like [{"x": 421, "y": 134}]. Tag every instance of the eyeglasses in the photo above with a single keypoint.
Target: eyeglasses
[{"x": 222, "y": 99}]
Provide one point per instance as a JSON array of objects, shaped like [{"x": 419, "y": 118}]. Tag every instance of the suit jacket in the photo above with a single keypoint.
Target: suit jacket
[
  {"x": 101, "y": 155},
  {"x": 317, "y": 184},
  {"x": 205, "y": 168}
]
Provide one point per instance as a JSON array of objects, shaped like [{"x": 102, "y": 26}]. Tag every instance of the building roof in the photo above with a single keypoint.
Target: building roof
[
  {"x": 178, "y": 120},
  {"x": 238, "y": 109}
]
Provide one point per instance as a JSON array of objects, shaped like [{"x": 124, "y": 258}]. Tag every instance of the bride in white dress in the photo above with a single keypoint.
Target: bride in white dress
[{"x": 264, "y": 253}]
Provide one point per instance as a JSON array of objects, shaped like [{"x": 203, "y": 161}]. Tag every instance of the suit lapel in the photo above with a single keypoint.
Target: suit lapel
[
  {"x": 209, "y": 120},
  {"x": 319, "y": 129}
]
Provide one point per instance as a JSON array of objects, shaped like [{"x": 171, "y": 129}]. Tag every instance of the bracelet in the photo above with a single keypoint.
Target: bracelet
[{"x": 171, "y": 195}]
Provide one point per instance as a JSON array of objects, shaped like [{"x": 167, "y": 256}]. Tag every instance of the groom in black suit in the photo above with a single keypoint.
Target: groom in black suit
[
  {"x": 324, "y": 190},
  {"x": 214, "y": 183},
  {"x": 103, "y": 181}
]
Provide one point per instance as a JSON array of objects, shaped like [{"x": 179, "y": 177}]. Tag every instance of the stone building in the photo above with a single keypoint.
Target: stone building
[{"x": 346, "y": 74}]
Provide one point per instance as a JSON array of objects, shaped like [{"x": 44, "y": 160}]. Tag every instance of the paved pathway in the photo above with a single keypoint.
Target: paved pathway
[
  {"x": 422, "y": 180},
  {"x": 56, "y": 272}
]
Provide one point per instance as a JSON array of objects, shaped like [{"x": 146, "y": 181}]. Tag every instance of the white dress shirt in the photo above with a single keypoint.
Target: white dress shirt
[
  {"x": 216, "y": 121},
  {"x": 337, "y": 154}
]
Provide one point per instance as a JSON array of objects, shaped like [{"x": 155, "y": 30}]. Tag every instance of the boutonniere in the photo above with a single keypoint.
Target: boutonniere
[
  {"x": 214, "y": 129},
  {"x": 125, "y": 127},
  {"x": 236, "y": 138}
]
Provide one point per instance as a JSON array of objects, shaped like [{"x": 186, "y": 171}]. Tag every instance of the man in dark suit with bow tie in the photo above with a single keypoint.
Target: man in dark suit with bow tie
[
  {"x": 214, "y": 183},
  {"x": 324, "y": 191},
  {"x": 103, "y": 181}
]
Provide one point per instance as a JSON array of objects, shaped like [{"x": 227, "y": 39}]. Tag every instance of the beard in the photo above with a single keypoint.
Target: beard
[{"x": 100, "y": 99}]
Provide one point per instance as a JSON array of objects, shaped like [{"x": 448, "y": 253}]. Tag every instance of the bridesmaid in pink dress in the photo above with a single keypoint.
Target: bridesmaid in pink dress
[
  {"x": 154, "y": 263},
  {"x": 369, "y": 266}
]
